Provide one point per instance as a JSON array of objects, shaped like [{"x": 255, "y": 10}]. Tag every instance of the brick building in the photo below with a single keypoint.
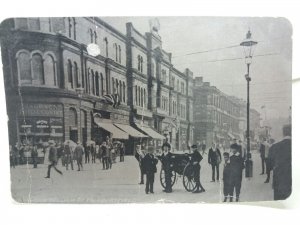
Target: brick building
[
  {"x": 218, "y": 117},
  {"x": 55, "y": 89}
]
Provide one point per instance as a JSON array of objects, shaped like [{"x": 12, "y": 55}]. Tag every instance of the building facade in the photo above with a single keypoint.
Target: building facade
[
  {"x": 219, "y": 118},
  {"x": 55, "y": 89}
]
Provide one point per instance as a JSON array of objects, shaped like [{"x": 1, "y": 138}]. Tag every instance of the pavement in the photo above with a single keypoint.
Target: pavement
[{"x": 120, "y": 185}]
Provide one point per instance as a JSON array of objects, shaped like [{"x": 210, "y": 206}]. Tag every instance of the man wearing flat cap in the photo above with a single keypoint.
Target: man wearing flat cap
[{"x": 196, "y": 157}]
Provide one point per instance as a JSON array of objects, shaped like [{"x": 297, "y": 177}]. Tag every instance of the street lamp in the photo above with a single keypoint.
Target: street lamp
[
  {"x": 79, "y": 92},
  {"x": 248, "y": 45}
]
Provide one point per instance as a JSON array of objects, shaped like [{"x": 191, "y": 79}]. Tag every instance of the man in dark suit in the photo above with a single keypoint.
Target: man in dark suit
[
  {"x": 52, "y": 159},
  {"x": 262, "y": 150},
  {"x": 167, "y": 166},
  {"x": 236, "y": 170},
  {"x": 196, "y": 157},
  {"x": 280, "y": 159},
  {"x": 214, "y": 159},
  {"x": 149, "y": 166}
]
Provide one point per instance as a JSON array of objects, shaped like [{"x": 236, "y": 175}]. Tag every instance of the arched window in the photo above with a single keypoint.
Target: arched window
[
  {"x": 88, "y": 81},
  {"x": 70, "y": 27},
  {"x": 24, "y": 69},
  {"x": 95, "y": 37},
  {"x": 139, "y": 62},
  {"x": 70, "y": 73},
  {"x": 91, "y": 36},
  {"x": 117, "y": 87},
  {"x": 142, "y": 97},
  {"x": 116, "y": 51},
  {"x": 106, "y": 46},
  {"x": 120, "y": 56},
  {"x": 97, "y": 83},
  {"x": 76, "y": 75},
  {"x": 102, "y": 84},
  {"x": 72, "y": 117},
  {"x": 93, "y": 82},
  {"x": 120, "y": 90},
  {"x": 136, "y": 95},
  {"x": 50, "y": 70},
  {"x": 124, "y": 92},
  {"x": 83, "y": 80},
  {"x": 38, "y": 69},
  {"x": 74, "y": 28},
  {"x": 145, "y": 99},
  {"x": 139, "y": 96},
  {"x": 113, "y": 85}
]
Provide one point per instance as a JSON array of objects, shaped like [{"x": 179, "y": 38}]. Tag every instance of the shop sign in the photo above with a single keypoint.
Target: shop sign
[{"x": 41, "y": 109}]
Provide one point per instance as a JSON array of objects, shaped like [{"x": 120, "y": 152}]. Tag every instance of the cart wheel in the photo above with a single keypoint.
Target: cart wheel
[
  {"x": 163, "y": 178},
  {"x": 189, "y": 182}
]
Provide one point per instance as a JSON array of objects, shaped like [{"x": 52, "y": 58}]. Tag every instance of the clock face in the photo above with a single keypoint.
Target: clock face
[{"x": 93, "y": 49}]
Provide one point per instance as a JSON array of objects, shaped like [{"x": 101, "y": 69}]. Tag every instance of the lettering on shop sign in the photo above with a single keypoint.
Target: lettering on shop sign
[{"x": 39, "y": 109}]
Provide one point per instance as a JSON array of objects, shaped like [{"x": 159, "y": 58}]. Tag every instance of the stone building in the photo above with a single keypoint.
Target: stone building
[
  {"x": 218, "y": 117},
  {"x": 56, "y": 90}
]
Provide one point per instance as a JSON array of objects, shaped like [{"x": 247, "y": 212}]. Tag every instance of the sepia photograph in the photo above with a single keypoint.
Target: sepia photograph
[{"x": 148, "y": 109}]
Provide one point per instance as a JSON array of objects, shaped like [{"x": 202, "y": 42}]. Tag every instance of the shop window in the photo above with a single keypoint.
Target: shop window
[
  {"x": 72, "y": 117},
  {"x": 50, "y": 70},
  {"x": 24, "y": 70},
  {"x": 37, "y": 69}
]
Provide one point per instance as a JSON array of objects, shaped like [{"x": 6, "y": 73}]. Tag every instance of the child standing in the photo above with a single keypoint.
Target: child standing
[{"x": 227, "y": 190}]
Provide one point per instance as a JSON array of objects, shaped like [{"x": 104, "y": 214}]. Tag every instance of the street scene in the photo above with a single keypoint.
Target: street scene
[{"x": 148, "y": 110}]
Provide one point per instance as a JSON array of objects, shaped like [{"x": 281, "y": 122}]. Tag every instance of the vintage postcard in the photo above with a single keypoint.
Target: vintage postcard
[{"x": 148, "y": 109}]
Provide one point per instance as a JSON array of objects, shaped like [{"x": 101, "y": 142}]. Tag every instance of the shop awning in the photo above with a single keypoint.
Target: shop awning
[
  {"x": 130, "y": 130},
  {"x": 152, "y": 133},
  {"x": 116, "y": 132}
]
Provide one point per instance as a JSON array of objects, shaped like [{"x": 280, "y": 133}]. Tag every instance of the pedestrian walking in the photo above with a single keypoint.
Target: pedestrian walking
[
  {"x": 52, "y": 159},
  {"x": 236, "y": 171},
  {"x": 104, "y": 155},
  {"x": 281, "y": 162},
  {"x": 68, "y": 157},
  {"x": 12, "y": 156},
  {"x": 267, "y": 160},
  {"x": 87, "y": 152},
  {"x": 149, "y": 164},
  {"x": 227, "y": 184},
  {"x": 214, "y": 159},
  {"x": 139, "y": 155},
  {"x": 262, "y": 149},
  {"x": 78, "y": 153},
  {"x": 34, "y": 156},
  {"x": 93, "y": 153},
  {"x": 167, "y": 166},
  {"x": 196, "y": 157},
  {"x": 122, "y": 152},
  {"x": 21, "y": 154},
  {"x": 110, "y": 157}
]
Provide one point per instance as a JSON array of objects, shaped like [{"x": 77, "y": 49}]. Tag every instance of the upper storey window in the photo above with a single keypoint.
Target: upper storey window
[
  {"x": 72, "y": 27},
  {"x": 140, "y": 63},
  {"x": 36, "y": 68}
]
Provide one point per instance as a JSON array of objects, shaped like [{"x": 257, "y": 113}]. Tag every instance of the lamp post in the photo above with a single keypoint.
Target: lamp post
[
  {"x": 79, "y": 92},
  {"x": 248, "y": 45}
]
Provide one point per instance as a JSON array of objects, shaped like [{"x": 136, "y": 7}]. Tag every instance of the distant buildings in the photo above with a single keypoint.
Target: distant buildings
[{"x": 218, "y": 117}]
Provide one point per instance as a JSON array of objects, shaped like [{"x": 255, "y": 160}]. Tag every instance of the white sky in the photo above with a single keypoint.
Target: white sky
[{"x": 271, "y": 75}]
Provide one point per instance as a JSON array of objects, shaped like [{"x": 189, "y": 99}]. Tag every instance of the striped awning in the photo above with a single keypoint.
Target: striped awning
[
  {"x": 152, "y": 133},
  {"x": 111, "y": 128},
  {"x": 130, "y": 130}
]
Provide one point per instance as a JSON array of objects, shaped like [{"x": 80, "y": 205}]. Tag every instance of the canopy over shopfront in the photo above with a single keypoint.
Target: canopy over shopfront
[
  {"x": 152, "y": 133},
  {"x": 115, "y": 131},
  {"x": 130, "y": 130}
]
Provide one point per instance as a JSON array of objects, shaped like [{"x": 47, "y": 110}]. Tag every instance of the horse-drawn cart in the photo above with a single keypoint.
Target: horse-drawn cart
[{"x": 180, "y": 166}]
